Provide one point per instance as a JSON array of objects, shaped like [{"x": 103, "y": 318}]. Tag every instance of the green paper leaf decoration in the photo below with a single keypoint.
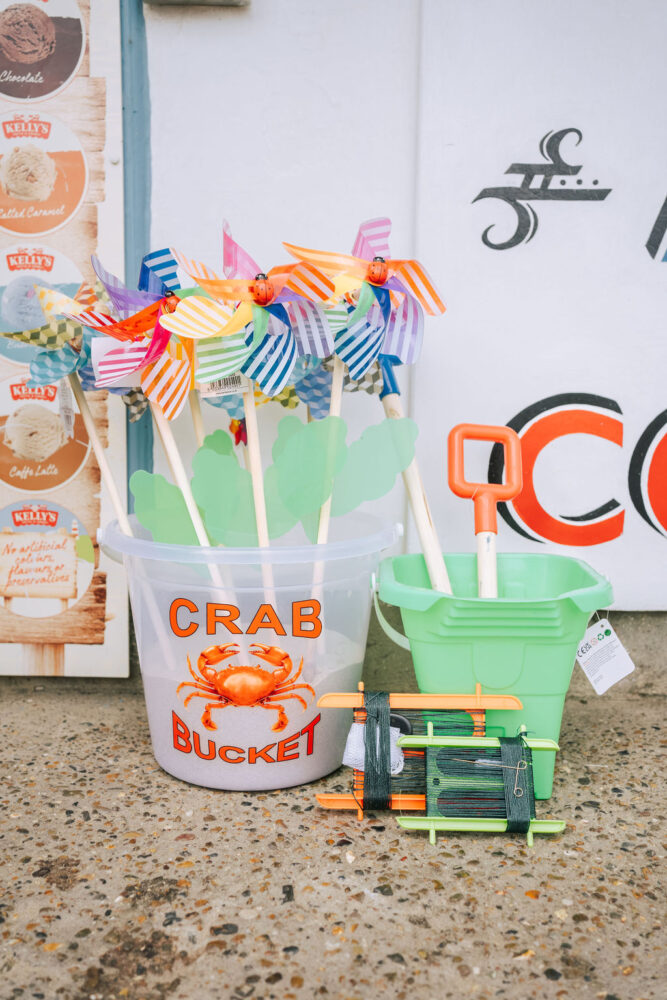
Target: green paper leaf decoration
[
  {"x": 160, "y": 507},
  {"x": 280, "y": 519},
  {"x": 373, "y": 462},
  {"x": 220, "y": 442},
  {"x": 287, "y": 428},
  {"x": 223, "y": 491},
  {"x": 84, "y": 548},
  {"x": 307, "y": 463}
]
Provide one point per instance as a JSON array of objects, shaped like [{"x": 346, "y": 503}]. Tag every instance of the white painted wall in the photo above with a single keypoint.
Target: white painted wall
[
  {"x": 295, "y": 121},
  {"x": 582, "y": 307}
]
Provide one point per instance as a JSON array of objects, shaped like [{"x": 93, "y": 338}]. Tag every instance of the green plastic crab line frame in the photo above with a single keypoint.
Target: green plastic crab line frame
[{"x": 473, "y": 824}]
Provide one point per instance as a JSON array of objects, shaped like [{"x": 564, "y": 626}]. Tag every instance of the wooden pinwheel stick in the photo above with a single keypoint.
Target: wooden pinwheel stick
[
  {"x": 116, "y": 502},
  {"x": 178, "y": 472},
  {"x": 428, "y": 538},
  {"x": 254, "y": 456},
  {"x": 335, "y": 407},
  {"x": 98, "y": 450},
  {"x": 197, "y": 420},
  {"x": 254, "y": 465}
]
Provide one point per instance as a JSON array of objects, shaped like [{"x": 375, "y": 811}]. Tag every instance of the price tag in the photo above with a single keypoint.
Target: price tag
[
  {"x": 229, "y": 386},
  {"x": 603, "y": 657}
]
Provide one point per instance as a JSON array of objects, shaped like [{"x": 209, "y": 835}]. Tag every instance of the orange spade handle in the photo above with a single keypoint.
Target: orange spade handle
[{"x": 485, "y": 495}]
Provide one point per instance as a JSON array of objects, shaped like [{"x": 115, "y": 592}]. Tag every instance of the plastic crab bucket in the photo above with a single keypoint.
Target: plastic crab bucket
[
  {"x": 237, "y": 645},
  {"x": 522, "y": 643}
]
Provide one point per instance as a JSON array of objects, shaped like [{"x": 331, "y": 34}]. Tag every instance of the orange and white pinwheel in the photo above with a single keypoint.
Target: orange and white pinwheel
[
  {"x": 370, "y": 269},
  {"x": 260, "y": 295}
]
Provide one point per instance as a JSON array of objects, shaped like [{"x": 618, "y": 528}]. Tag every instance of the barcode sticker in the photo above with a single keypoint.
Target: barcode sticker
[
  {"x": 603, "y": 657},
  {"x": 229, "y": 386}
]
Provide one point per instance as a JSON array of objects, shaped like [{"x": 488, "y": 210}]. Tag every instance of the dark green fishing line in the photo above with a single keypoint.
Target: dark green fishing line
[{"x": 485, "y": 782}]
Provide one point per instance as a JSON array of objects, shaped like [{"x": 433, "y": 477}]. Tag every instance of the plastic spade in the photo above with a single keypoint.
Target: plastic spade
[{"x": 485, "y": 495}]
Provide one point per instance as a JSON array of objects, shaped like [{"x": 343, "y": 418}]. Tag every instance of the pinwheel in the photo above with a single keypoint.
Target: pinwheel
[
  {"x": 385, "y": 323},
  {"x": 140, "y": 313},
  {"x": 139, "y": 351},
  {"x": 387, "y": 316},
  {"x": 259, "y": 294},
  {"x": 166, "y": 372},
  {"x": 371, "y": 269},
  {"x": 278, "y": 318},
  {"x": 314, "y": 387},
  {"x": 67, "y": 355}
]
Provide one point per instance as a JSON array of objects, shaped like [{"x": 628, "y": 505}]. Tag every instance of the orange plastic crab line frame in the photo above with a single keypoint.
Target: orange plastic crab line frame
[{"x": 475, "y": 705}]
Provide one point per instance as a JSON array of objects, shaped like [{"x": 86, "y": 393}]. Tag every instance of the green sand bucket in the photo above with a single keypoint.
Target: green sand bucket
[{"x": 523, "y": 642}]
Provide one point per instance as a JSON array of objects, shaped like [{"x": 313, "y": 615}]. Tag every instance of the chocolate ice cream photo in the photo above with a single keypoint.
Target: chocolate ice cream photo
[
  {"x": 40, "y": 47},
  {"x": 27, "y": 34}
]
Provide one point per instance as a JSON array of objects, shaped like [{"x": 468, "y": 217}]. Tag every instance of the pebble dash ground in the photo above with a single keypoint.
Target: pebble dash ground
[{"x": 118, "y": 881}]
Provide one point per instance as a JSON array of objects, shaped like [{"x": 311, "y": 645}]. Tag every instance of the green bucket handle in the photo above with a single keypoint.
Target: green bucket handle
[{"x": 388, "y": 629}]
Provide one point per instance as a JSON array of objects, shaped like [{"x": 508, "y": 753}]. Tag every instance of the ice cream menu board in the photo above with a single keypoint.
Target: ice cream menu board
[
  {"x": 42, "y": 45},
  {"x": 61, "y": 200}
]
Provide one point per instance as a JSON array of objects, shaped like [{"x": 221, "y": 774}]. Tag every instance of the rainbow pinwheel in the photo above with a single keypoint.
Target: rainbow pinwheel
[
  {"x": 166, "y": 369},
  {"x": 372, "y": 270},
  {"x": 260, "y": 295},
  {"x": 387, "y": 316},
  {"x": 278, "y": 318},
  {"x": 158, "y": 280}
]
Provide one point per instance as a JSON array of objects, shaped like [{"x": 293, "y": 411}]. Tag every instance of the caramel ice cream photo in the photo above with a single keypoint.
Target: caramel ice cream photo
[
  {"x": 27, "y": 34},
  {"x": 43, "y": 173},
  {"x": 27, "y": 173}
]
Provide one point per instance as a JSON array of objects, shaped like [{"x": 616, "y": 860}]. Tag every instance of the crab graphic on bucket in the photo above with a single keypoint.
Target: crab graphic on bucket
[{"x": 245, "y": 686}]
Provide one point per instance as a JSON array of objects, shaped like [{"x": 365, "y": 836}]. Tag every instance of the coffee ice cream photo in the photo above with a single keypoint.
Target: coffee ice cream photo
[
  {"x": 34, "y": 433},
  {"x": 27, "y": 34},
  {"x": 27, "y": 173}
]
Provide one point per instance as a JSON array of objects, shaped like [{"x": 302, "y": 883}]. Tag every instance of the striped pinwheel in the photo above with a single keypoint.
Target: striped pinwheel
[
  {"x": 259, "y": 294},
  {"x": 387, "y": 316},
  {"x": 166, "y": 366},
  {"x": 372, "y": 270},
  {"x": 166, "y": 370},
  {"x": 277, "y": 319},
  {"x": 158, "y": 281}
]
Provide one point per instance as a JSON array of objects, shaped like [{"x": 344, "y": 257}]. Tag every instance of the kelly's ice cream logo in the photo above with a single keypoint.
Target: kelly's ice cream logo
[
  {"x": 29, "y": 260},
  {"x": 274, "y": 684},
  {"x": 35, "y": 516},
  {"x": 21, "y": 392},
  {"x": 26, "y": 127}
]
